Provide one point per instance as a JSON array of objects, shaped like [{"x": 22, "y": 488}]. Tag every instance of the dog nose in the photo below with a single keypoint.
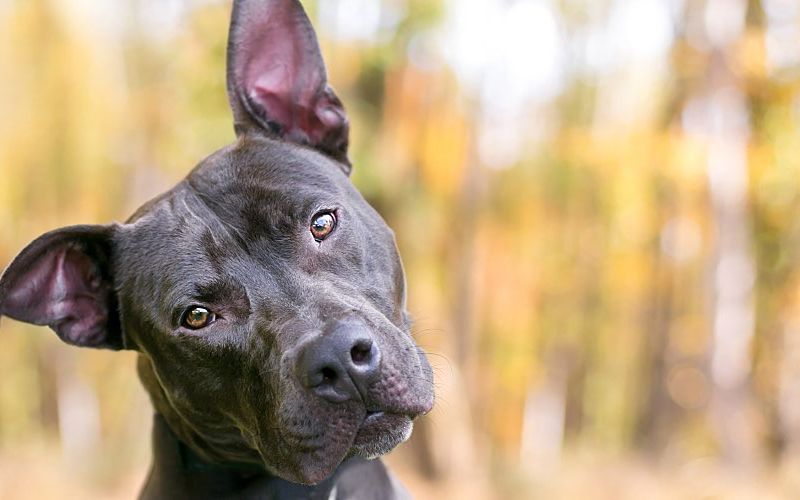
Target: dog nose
[{"x": 340, "y": 365}]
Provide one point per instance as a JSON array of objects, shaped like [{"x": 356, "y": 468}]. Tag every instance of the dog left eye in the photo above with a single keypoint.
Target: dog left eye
[
  {"x": 197, "y": 317},
  {"x": 322, "y": 225}
]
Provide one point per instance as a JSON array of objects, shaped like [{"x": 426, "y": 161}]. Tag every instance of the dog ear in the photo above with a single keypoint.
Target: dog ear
[
  {"x": 277, "y": 80},
  {"x": 63, "y": 280}
]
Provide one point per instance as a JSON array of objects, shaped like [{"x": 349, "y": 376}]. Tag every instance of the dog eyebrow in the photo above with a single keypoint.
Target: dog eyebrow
[
  {"x": 226, "y": 293},
  {"x": 224, "y": 296}
]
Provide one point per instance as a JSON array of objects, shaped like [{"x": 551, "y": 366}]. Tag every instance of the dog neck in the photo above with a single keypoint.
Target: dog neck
[{"x": 177, "y": 472}]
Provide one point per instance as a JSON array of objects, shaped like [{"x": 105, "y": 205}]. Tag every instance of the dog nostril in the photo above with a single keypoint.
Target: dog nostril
[
  {"x": 328, "y": 375},
  {"x": 360, "y": 353}
]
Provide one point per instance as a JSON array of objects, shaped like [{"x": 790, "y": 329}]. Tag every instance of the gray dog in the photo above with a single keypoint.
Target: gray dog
[{"x": 265, "y": 297}]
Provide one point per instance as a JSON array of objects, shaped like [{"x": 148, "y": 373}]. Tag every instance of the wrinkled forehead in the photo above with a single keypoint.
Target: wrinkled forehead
[
  {"x": 264, "y": 188},
  {"x": 254, "y": 196}
]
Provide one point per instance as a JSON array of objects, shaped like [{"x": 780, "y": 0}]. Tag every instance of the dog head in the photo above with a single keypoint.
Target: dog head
[{"x": 265, "y": 296}]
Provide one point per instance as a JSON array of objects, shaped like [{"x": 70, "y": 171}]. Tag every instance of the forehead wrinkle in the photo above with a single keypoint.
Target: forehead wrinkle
[
  {"x": 249, "y": 212},
  {"x": 216, "y": 210},
  {"x": 202, "y": 221}
]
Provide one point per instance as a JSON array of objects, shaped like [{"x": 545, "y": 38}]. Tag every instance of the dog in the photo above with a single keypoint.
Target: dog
[{"x": 264, "y": 296}]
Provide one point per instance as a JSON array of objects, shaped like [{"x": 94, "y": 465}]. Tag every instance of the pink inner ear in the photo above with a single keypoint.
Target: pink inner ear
[
  {"x": 285, "y": 76},
  {"x": 269, "y": 80},
  {"x": 62, "y": 289},
  {"x": 277, "y": 67}
]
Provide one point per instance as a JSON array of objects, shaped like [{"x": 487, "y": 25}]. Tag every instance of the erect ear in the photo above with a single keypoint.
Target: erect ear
[
  {"x": 277, "y": 80},
  {"x": 63, "y": 280}
]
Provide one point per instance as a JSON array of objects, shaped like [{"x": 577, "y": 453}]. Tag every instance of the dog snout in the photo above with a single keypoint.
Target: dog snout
[{"x": 340, "y": 365}]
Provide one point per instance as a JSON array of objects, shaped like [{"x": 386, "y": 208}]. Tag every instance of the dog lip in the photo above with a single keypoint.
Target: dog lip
[
  {"x": 380, "y": 418},
  {"x": 411, "y": 413},
  {"x": 388, "y": 413},
  {"x": 373, "y": 415}
]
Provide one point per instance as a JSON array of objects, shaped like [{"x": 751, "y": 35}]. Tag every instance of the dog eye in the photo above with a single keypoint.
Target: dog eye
[
  {"x": 322, "y": 225},
  {"x": 197, "y": 317}
]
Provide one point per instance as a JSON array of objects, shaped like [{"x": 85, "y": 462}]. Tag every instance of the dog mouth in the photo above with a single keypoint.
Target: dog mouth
[
  {"x": 380, "y": 432},
  {"x": 318, "y": 454}
]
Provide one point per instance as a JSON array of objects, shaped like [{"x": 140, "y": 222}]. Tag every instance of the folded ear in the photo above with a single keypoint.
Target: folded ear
[
  {"x": 277, "y": 80},
  {"x": 63, "y": 280}
]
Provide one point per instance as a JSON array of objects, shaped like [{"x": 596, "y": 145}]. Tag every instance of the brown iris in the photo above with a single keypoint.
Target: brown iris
[
  {"x": 322, "y": 225},
  {"x": 197, "y": 317}
]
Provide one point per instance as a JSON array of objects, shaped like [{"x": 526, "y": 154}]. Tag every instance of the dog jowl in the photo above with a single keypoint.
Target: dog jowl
[{"x": 265, "y": 297}]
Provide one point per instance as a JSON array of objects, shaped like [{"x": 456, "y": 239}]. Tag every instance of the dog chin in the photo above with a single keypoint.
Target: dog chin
[{"x": 313, "y": 473}]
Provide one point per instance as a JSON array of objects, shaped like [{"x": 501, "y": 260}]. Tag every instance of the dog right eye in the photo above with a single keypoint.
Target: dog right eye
[
  {"x": 323, "y": 225},
  {"x": 197, "y": 317}
]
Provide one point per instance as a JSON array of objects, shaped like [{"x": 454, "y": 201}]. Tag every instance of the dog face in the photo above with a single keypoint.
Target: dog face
[{"x": 265, "y": 296}]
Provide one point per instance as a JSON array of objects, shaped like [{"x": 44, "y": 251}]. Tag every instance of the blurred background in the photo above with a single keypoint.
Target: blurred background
[{"x": 597, "y": 202}]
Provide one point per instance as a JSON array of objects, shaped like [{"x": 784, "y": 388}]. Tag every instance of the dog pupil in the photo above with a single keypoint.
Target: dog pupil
[
  {"x": 322, "y": 225},
  {"x": 198, "y": 316}
]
